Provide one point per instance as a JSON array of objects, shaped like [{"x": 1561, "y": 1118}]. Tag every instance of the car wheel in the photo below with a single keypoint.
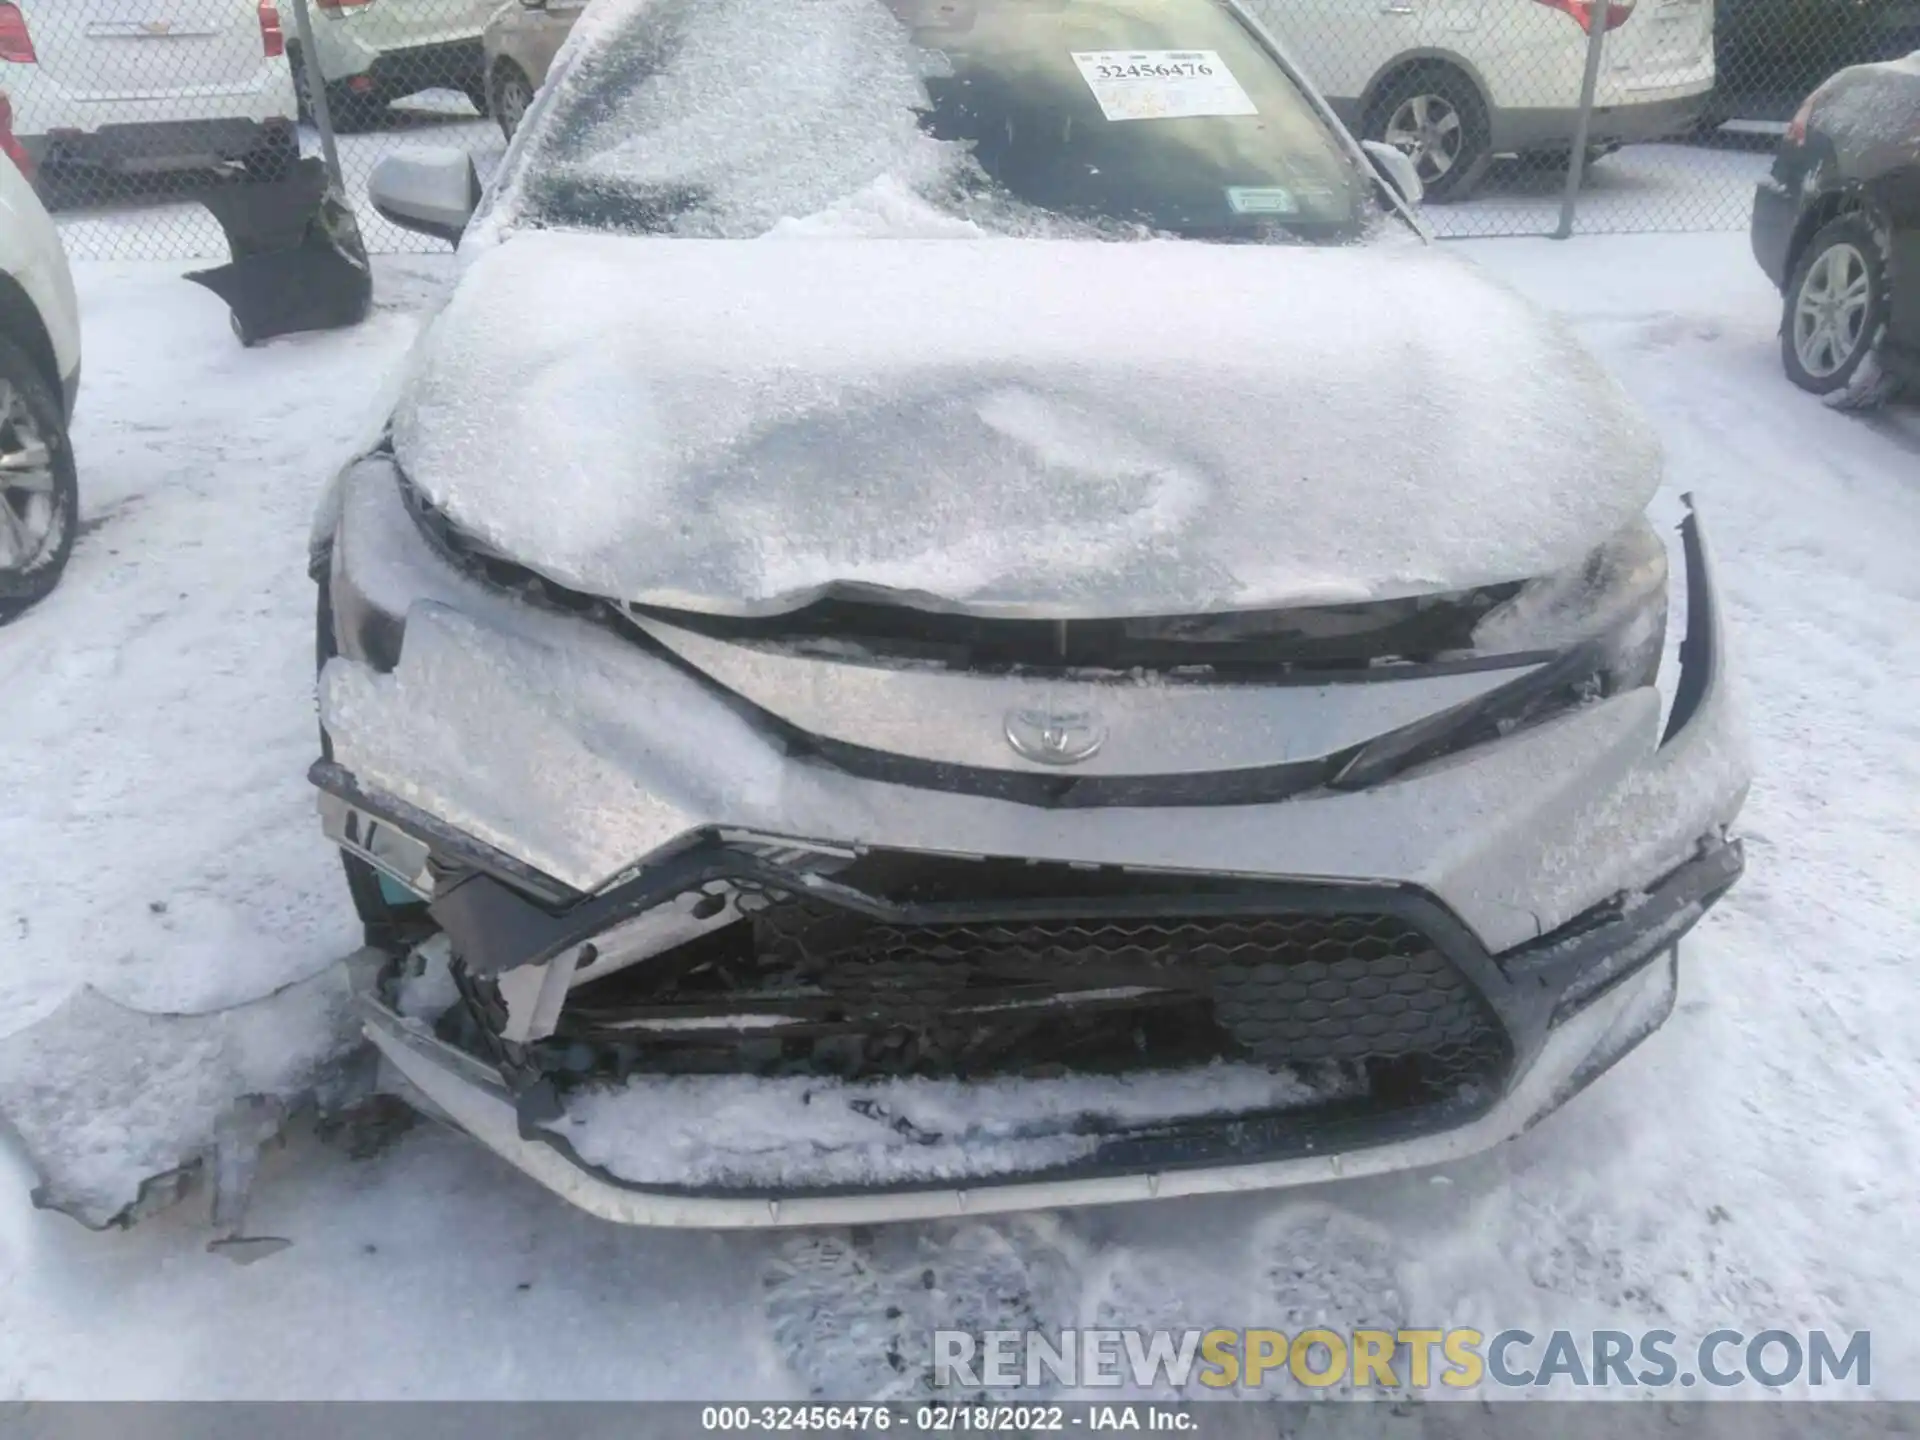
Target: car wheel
[
  {"x": 355, "y": 111},
  {"x": 1836, "y": 315},
  {"x": 1436, "y": 118},
  {"x": 391, "y": 916},
  {"x": 39, "y": 492},
  {"x": 512, "y": 94}
]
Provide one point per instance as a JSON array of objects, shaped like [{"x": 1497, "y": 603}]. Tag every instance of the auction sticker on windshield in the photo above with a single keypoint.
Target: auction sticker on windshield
[{"x": 1162, "y": 84}]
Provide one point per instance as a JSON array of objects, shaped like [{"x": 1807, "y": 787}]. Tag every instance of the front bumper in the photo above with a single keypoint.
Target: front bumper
[
  {"x": 563, "y": 773},
  {"x": 1615, "y": 980}
]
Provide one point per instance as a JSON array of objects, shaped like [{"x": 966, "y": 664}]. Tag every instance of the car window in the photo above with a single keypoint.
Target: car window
[{"x": 1104, "y": 117}]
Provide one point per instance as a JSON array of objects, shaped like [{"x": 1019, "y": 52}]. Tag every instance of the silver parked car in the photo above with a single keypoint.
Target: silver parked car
[
  {"x": 962, "y": 612},
  {"x": 521, "y": 41}
]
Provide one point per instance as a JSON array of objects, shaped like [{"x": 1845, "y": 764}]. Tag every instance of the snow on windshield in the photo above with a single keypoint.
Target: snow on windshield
[
  {"x": 760, "y": 111},
  {"x": 732, "y": 118}
]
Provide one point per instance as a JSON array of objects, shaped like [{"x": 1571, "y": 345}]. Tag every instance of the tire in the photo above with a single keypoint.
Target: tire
[
  {"x": 41, "y": 501},
  {"x": 1435, "y": 114},
  {"x": 510, "y": 91},
  {"x": 390, "y": 922},
  {"x": 1834, "y": 316},
  {"x": 354, "y": 112}
]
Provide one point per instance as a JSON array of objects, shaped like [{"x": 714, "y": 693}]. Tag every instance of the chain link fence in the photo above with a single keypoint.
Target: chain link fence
[{"x": 1524, "y": 117}]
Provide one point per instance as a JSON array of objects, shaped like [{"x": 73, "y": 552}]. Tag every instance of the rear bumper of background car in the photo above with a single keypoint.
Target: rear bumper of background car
[
  {"x": 1630, "y": 121},
  {"x": 571, "y": 778},
  {"x": 166, "y": 146}
]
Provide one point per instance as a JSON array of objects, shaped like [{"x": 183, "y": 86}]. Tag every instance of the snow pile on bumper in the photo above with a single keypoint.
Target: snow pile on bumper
[{"x": 731, "y": 1130}]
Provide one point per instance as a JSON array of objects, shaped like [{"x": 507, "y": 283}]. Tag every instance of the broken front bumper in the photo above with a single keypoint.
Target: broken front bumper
[
  {"x": 545, "y": 782},
  {"x": 1583, "y": 1000}
]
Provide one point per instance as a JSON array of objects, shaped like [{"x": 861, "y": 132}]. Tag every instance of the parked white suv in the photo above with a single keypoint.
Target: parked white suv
[
  {"x": 372, "y": 52},
  {"x": 142, "y": 85},
  {"x": 39, "y": 378},
  {"x": 1454, "y": 83}
]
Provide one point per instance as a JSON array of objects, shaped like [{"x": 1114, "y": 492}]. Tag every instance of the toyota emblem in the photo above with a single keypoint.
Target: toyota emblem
[{"x": 1055, "y": 737}]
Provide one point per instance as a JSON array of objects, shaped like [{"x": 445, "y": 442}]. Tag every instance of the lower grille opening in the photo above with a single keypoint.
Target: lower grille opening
[{"x": 1359, "y": 1004}]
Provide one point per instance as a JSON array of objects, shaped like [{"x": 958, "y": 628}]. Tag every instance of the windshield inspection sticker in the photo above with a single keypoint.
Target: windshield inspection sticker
[
  {"x": 1261, "y": 200},
  {"x": 1162, "y": 84}
]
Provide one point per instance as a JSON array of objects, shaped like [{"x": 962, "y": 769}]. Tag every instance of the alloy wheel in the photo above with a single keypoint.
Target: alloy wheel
[
  {"x": 512, "y": 100},
  {"x": 1830, "y": 313},
  {"x": 1429, "y": 131},
  {"x": 28, "y": 510}
]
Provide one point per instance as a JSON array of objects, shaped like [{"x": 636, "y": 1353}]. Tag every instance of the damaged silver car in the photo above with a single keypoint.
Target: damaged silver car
[{"x": 960, "y": 611}]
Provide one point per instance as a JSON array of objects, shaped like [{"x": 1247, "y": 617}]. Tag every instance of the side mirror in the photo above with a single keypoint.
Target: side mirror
[
  {"x": 1397, "y": 169},
  {"x": 431, "y": 190}
]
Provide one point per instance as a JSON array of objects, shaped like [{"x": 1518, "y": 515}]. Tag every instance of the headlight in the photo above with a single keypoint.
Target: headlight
[{"x": 1616, "y": 598}]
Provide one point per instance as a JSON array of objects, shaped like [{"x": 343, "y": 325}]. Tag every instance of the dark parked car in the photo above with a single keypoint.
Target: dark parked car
[
  {"x": 1769, "y": 53},
  {"x": 1837, "y": 227}
]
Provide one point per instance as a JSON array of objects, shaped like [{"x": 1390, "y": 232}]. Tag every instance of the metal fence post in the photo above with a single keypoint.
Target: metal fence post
[
  {"x": 315, "y": 85},
  {"x": 1597, "y": 14}
]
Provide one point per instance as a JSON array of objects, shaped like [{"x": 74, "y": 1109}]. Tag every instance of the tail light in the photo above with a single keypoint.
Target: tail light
[
  {"x": 273, "y": 40},
  {"x": 1618, "y": 12},
  {"x": 10, "y": 145},
  {"x": 1797, "y": 127},
  {"x": 16, "y": 44}
]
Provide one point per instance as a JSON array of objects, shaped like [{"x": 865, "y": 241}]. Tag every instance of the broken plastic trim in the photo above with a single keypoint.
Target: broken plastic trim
[
  {"x": 1536, "y": 696},
  {"x": 1311, "y": 644},
  {"x": 451, "y": 851},
  {"x": 1698, "y": 657},
  {"x": 1598, "y": 949}
]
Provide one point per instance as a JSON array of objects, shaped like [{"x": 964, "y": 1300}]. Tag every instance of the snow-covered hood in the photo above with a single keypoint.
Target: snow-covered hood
[{"x": 1053, "y": 428}]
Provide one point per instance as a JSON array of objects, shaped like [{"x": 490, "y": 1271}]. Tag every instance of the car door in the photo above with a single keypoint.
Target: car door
[{"x": 1895, "y": 158}]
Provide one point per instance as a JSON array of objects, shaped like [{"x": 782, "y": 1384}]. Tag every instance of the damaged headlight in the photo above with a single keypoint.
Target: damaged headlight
[
  {"x": 1614, "y": 600},
  {"x": 1603, "y": 622}
]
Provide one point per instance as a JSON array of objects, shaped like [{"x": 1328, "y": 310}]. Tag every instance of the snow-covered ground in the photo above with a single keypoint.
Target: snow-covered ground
[{"x": 1753, "y": 1165}]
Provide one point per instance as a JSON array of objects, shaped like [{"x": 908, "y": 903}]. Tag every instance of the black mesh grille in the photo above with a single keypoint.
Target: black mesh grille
[
  {"x": 1299, "y": 989},
  {"x": 1346, "y": 987},
  {"x": 1045, "y": 969}
]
